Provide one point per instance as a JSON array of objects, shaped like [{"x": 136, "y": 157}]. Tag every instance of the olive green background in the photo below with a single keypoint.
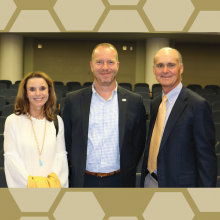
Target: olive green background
[{"x": 153, "y": 16}]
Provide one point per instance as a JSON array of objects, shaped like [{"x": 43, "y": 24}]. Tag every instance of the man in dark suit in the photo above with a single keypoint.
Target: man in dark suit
[
  {"x": 186, "y": 155},
  {"x": 105, "y": 127}
]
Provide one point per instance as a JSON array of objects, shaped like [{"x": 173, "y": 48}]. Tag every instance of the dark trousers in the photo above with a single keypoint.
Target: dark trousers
[{"x": 103, "y": 182}]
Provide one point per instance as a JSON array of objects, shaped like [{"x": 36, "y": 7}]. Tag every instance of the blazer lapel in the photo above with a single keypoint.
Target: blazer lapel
[
  {"x": 176, "y": 112},
  {"x": 122, "y": 106},
  {"x": 85, "y": 108}
]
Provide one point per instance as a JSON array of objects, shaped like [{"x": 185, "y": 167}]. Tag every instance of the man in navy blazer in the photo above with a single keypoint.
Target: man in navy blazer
[
  {"x": 105, "y": 127},
  {"x": 186, "y": 155}
]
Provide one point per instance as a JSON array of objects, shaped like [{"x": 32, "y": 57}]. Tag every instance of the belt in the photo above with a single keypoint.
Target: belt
[{"x": 102, "y": 174}]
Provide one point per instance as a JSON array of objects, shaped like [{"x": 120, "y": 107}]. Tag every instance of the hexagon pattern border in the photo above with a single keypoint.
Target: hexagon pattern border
[
  {"x": 118, "y": 204},
  {"x": 90, "y": 16},
  {"x": 112, "y": 201}
]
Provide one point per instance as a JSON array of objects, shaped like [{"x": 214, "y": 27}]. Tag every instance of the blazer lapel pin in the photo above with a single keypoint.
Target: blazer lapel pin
[{"x": 123, "y": 100}]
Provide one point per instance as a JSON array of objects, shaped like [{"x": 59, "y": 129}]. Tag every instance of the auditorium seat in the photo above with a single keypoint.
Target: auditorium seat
[
  {"x": 62, "y": 103},
  {"x": 57, "y": 83},
  {"x": 7, "y": 82},
  {"x": 217, "y": 131},
  {"x": 126, "y": 84},
  {"x": 58, "y": 92},
  {"x": 215, "y": 88},
  {"x": 216, "y": 116},
  {"x": 75, "y": 88},
  {"x": 218, "y": 182},
  {"x": 209, "y": 97},
  {"x": 141, "y": 89},
  {"x": 17, "y": 82},
  {"x": 146, "y": 103},
  {"x": 87, "y": 84},
  {"x": 14, "y": 86},
  {"x": 204, "y": 91},
  {"x": 157, "y": 85},
  {"x": 8, "y": 93},
  {"x": 216, "y": 106},
  {"x": 217, "y": 148},
  {"x": 59, "y": 95},
  {"x": 141, "y": 85},
  {"x": 157, "y": 94},
  {"x": 61, "y": 112},
  {"x": 3, "y": 86},
  {"x": 156, "y": 90},
  {"x": 125, "y": 87},
  {"x": 70, "y": 85},
  {"x": 2, "y": 124},
  {"x": 12, "y": 100},
  {"x": 194, "y": 87},
  {"x": 7, "y": 110},
  {"x": 2, "y": 178},
  {"x": 139, "y": 166},
  {"x": 61, "y": 88},
  {"x": 145, "y": 95},
  {"x": 138, "y": 180},
  {"x": 2, "y": 102},
  {"x": 218, "y": 158}
]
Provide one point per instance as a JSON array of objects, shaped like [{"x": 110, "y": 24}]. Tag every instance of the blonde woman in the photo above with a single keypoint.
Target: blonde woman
[{"x": 35, "y": 155}]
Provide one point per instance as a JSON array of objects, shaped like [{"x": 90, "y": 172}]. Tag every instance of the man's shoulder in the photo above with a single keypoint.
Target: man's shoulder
[
  {"x": 129, "y": 93},
  {"x": 194, "y": 97},
  {"x": 79, "y": 93}
]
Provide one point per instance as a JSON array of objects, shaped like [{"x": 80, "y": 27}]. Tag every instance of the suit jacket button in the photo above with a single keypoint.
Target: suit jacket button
[{"x": 83, "y": 174}]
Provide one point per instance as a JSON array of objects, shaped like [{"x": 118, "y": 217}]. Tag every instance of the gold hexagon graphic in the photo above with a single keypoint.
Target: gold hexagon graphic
[
  {"x": 168, "y": 15},
  {"x": 168, "y": 205},
  {"x": 123, "y": 218},
  {"x": 34, "y": 21},
  {"x": 78, "y": 15},
  {"x": 34, "y": 218},
  {"x": 127, "y": 21},
  {"x": 80, "y": 206},
  {"x": 34, "y": 200},
  {"x": 207, "y": 200},
  {"x": 123, "y": 2},
  {"x": 7, "y": 8},
  {"x": 206, "y": 22}
]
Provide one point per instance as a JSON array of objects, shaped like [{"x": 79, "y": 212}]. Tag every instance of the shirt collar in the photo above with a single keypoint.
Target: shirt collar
[
  {"x": 173, "y": 94},
  {"x": 95, "y": 92}
]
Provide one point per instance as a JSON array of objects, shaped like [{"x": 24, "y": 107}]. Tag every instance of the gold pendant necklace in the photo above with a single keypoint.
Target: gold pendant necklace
[{"x": 40, "y": 152}]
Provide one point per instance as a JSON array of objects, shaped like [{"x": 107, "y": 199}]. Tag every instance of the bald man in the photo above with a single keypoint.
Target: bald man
[{"x": 186, "y": 155}]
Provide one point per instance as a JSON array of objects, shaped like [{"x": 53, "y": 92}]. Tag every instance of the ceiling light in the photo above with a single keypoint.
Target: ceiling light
[
  {"x": 39, "y": 46},
  {"x": 124, "y": 48}
]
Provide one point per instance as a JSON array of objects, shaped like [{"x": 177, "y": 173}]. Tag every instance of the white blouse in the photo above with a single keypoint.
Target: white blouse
[{"x": 21, "y": 151}]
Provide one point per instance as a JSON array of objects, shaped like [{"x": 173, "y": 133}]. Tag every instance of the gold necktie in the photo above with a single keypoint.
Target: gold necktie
[{"x": 156, "y": 136}]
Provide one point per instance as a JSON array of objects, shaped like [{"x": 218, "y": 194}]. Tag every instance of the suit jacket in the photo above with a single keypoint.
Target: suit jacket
[
  {"x": 186, "y": 156},
  {"x": 132, "y": 133}
]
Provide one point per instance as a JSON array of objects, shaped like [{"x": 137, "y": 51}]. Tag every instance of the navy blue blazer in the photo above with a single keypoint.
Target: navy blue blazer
[
  {"x": 186, "y": 156},
  {"x": 132, "y": 133}
]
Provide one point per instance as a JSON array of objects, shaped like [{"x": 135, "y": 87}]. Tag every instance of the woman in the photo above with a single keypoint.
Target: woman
[{"x": 34, "y": 155}]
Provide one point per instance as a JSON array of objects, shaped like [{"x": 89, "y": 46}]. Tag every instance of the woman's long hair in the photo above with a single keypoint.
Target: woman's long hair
[{"x": 22, "y": 104}]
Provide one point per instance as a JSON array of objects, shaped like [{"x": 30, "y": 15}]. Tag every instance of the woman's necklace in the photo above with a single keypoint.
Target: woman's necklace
[{"x": 40, "y": 152}]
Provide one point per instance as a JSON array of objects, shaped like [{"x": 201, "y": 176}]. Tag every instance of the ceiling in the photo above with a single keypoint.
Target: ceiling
[{"x": 177, "y": 37}]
